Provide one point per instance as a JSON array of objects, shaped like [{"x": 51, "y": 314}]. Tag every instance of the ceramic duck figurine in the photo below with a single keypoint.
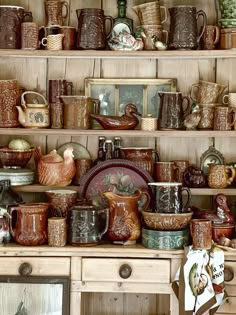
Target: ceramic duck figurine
[
  {"x": 222, "y": 215},
  {"x": 53, "y": 170},
  {"x": 192, "y": 120},
  {"x": 124, "y": 122}
]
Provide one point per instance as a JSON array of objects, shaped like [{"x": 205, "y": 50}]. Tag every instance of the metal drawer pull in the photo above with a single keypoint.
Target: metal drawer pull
[
  {"x": 25, "y": 269},
  {"x": 228, "y": 274},
  {"x": 125, "y": 271}
]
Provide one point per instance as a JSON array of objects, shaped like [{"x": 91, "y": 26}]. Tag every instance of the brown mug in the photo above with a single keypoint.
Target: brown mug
[
  {"x": 220, "y": 176},
  {"x": 201, "y": 232},
  {"x": 183, "y": 32},
  {"x": 29, "y": 35},
  {"x": 205, "y": 92},
  {"x": 181, "y": 166},
  {"x": 207, "y": 116},
  {"x": 56, "y": 115},
  {"x": 57, "y": 231},
  {"x": 92, "y": 28},
  {"x": 55, "y": 15},
  {"x": 69, "y": 37},
  {"x": 57, "y": 88},
  {"x": 173, "y": 107},
  {"x": 165, "y": 172},
  {"x": 167, "y": 197},
  {"x": 210, "y": 37},
  {"x": 82, "y": 167},
  {"x": 224, "y": 117}
]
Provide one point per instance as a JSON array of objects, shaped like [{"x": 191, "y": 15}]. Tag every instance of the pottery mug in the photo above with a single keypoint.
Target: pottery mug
[
  {"x": 167, "y": 197},
  {"x": 181, "y": 166},
  {"x": 224, "y": 117},
  {"x": 173, "y": 107},
  {"x": 205, "y": 92},
  {"x": 82, "y": 167},
  {"x": 29, "y": 35},
  {"x": 69, "y": 33},
  {"x": 54, "y": 11},
  {"x": 230, "y": 99},
  {"x": 57, "y": 231},
  {"x": 57, "y": 88},
  {"x": 165, "y": 172},
  {"x": 207, "y": 116},
  {"x": 53, "y": 42},
  {"x": 220, "y": 176},
  {"x": 210, "y": 37},
  {"x": 201, "y": 232}
]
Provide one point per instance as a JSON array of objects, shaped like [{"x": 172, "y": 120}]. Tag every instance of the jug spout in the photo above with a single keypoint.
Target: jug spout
[{"x": 21, "y": 115}]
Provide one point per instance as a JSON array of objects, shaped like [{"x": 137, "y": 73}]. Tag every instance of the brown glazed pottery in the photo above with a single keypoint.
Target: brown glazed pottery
[
  {"x": 86, "y": 224},
  {"x": 222, "y": 230},
  {"x": 165, "y": 172},
  {"x": 56, "y": 115},
  {"x": 60, "y": 201},
  {"x": 201, "y": 232},
  {"x": 207, "y": 116},
  {"x": 69, "y": 33},
  {"x": 29, "y": 35},
  {"x": 194, "y": 177},
  {"x": 224, "y": 117},
  {"x": 210, "y": 37},
  {"x": 9, "y": 99},
  {"x": 183, "y": 27},
  {"x": 124, "y": 221},
  {"x": 57, "y": 231},
  {"x": 172, "y": 110},
  {"x": 82, "y": 167},
  {"x": 54, "y": 12},
  {"x": 142, "y": 157},
  {"x": 57, "y": 88},
  {"x": 166, "y": 221},
  {"x": 220, "y": 176},
  {"x": 92, "y": 28},
  {"x": 30, "y": 226},
  {"x": 205, "y": 92},
  {"x": 167, "y": 197},
  {"x": 181, "y": 166}
]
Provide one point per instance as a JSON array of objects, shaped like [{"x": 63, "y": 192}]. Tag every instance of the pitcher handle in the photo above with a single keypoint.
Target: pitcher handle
[
  {"x": 110, "y": 18},
  {"x": 163, "y": 8},
  {"x": 166, "y": 36},
  {"x": 69, "y": 85},
  {"x": 144, "y": 200},
  {"x": 225, "y": 99},
  {"x": 195, "y": 85},
  {"x": 12, "y": 230},
  {"x": 187, "y": 108},
  {"x": 66, "y": 5},
  {"x": 230, "y": 168},
  {"x": 188, "y": 199},
  {"x": 233, "y": 110},
  {"x": 156, "y": 156},
  {"x": 217, "y": 34},
  {"x": 203, "y": 14},
  {"x": 107, "y": 221}
]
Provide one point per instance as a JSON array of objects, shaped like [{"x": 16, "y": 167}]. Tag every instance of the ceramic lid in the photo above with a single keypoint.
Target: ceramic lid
[{"x": 11, "y": 7}]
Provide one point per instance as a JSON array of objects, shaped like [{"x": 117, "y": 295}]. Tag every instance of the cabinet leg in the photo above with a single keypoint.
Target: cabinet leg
[{"x": 75, "y": 303}]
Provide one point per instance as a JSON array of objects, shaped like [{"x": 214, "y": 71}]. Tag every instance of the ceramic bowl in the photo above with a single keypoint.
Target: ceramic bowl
[
  {"x": 166, "y": 221},
  {"x": 222, "y": 230},
  {"x": 166, "y": 240},
  {"x": 15, "y": 158}
]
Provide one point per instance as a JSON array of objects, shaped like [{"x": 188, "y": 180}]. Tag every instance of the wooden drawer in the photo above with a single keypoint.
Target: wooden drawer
[
  {"x": 41, "y": 266},
  {"x": 128, "y": 270}
]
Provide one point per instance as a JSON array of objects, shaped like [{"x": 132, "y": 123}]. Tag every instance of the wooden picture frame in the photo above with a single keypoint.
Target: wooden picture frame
[
  {"x": 36, "y": 295},
  {"x": 114, "y": 94}
]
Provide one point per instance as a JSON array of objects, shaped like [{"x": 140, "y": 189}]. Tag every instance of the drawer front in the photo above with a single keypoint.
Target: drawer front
[
  {"x": 41, "y": 266},
  {"x": 130, "y": 270}
]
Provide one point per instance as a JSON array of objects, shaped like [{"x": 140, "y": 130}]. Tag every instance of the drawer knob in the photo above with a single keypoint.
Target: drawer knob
[
  {"x": 228, "y": 274},
  {"x": 25, "y": 269},
  {"x": 125, "y": 271}
]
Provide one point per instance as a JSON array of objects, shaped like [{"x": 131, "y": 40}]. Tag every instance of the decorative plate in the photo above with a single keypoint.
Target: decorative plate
[
  {"x": 210, "y": 156},
  {"x": 79, "y": 151},
  {"x": 120, "y": 176}
]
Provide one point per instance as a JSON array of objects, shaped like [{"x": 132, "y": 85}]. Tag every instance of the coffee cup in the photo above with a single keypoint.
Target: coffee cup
[{"x": 53, "y": 42}]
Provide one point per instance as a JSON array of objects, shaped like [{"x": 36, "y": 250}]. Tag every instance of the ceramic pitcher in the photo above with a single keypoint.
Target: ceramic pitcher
[
  {"x": 30, "y": 226},
  {"x": 184, "y": 27},
  {"x": 220, "y": 176},
  {"x": 124, "y": 220},
  {"x": 173, "y": 108}
]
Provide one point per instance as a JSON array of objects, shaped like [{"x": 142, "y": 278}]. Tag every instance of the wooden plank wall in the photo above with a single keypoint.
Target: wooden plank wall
[{"x": 33, "y": 74}]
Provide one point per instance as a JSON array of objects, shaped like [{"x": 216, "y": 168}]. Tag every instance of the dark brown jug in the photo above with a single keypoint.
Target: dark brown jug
[
  {"x": 183, "y": 27},
  {"x": 91, "y": 29},
  {"x": 172, "y": 110},
  {"x": 30, "y": 226}
]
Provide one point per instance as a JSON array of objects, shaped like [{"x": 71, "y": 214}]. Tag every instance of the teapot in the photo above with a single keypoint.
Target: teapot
[
  {"x": 86, "y": 224},
  {"x": 124, "y": 218},
  {"x": 194, "y": 177},
  {"x": 33, "y": 115}
]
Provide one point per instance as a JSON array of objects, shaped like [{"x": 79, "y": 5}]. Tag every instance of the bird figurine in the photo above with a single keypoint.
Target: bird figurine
[
  {"x": 52, "y": 169},
  {"x": 222, "y": 215},
  {"x": 192, "y": 120},
  {"x": 124, "y": 122}
]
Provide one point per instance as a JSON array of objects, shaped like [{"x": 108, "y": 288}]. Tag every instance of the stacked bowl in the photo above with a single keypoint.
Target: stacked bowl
[{"x": 227, "y": 23}]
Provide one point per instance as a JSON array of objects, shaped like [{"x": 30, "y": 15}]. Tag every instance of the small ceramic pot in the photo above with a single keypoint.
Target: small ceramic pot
[{"x": 222, "y": 230}]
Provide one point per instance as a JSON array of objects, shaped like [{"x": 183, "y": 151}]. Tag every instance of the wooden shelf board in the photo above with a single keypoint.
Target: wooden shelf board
[
  {"x": 107, "y": 54},
  {"x": 195, "y": 191},
  {"x": 126, "y": 133}
]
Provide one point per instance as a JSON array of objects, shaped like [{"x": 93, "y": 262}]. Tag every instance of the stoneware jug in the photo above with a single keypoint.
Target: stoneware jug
[
  {"x": 28, "y": 223},
  {"x": 173, "y": 108},
  {"x": 183, "y": 27},
  {"x": 33, "y": 115},
  {"x": 85, "y": 224},
  {"x": 124, "y": 218},
  {"x": 92, "y": 28},
  {"x": 220, "y": 176}
]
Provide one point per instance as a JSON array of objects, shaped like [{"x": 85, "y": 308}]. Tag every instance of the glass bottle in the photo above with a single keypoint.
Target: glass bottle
[
  {"x": 101, "y": 153},
  {"x": 122, "y": 22},
  {"x": 117, "y": 146},
  {"x": 108, "y": 149}
]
